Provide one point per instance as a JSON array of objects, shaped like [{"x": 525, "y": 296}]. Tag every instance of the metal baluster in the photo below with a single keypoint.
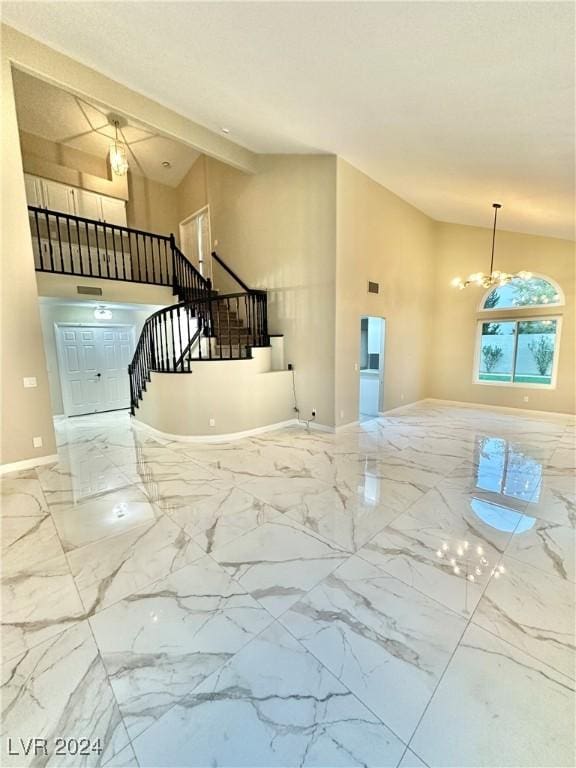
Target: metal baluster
[
  {"x": 70, "y": 244},
  {"x": 49, "y": 242},
  {"x": 39, "y": 239},
  {"x": 98, "y": 252},
  {"x": 59, "y": 243},
  {"x": 87, "y": 246},
  {"x": 113, "y": 233}
]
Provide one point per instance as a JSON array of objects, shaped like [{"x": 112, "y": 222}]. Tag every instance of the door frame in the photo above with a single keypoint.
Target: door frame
[
  {"x": 60, "y": 358},
  {"x": 382, "y": 361},
  {"x": 187, "y": 220}
]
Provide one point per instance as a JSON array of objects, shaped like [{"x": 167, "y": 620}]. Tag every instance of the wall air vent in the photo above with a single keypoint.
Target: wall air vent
[
  {"x": 89, "y": 290},
  {"x": 373, "y": 287}
]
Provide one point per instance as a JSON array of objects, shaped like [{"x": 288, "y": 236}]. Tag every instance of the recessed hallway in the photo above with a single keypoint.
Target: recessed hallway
[{"x": 398, "y": 593}]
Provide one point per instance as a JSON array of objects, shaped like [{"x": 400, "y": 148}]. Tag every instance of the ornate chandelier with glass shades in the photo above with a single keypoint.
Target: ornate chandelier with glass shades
[{"x": 494, "y": 277}]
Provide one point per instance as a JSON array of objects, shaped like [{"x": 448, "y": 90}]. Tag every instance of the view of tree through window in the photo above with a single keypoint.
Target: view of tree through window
[
  {"x": 536, "y": 292},
  {"x": 519, "y": 351}
]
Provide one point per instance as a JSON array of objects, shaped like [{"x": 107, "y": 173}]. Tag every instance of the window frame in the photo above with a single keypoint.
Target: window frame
[
  {"x": 517, "y": 319},
  {"x": 526, "y": 307}
]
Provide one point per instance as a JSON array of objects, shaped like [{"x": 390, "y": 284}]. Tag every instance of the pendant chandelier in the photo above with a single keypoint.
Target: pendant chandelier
[
  {"x": 118, "y": 159},
  {"x": 494, "y": 277}
]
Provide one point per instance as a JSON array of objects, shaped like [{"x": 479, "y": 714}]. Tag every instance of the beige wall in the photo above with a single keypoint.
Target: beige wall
[
  {"x": 277, "y": 230},
  {"x": 25, "y": 412},
  {"x": 461, "y": 250},
  {"x": 382, "y": 239},
  {"x": 152, "y": 206},
  {"x": 66, "y": 287},
  {"x": 239, "y": 396},
  {"x": 51, "y": 313},
  {"x": 192, "y": 191}
]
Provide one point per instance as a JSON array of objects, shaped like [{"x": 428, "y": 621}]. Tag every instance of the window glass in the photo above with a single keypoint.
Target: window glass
[
  {"x": 536, "y": 349},
  {"x": 535, "y": 292},
  {"x": 497, "y": 351}
]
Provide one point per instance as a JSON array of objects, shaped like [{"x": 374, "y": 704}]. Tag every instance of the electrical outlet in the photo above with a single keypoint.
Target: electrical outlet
[
  {"x": 313, "y": 411},
  {"x": 290, "y": 367},
  {"x": 30, "y": 381},
  {"x": 525, "y": 398},
  {"x": 355, "y": 366},
  {"x": 37, "y": 442},
  {"x": 212, "y": 422}
]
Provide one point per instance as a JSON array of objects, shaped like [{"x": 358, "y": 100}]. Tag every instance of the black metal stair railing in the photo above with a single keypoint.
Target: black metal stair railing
[
  {"x": 73, "y": 245},
  {"x": 208, "y": 327}
]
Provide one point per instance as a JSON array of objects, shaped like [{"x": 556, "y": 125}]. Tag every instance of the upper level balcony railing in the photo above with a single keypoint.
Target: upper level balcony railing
[{"x": 73, "y": 245}]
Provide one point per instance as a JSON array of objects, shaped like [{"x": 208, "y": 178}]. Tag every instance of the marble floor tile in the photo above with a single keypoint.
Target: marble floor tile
[
  {"x": 548, "y": 546},
  {"x": 273, "y": 704},
  {"x": 27, "y": 541},
  {"x": 533, "y": 611},
  {"x": 21, "y": 495},
  {"x": 346, "y": 516},
  {"x": 37, "y": 603},
  {"x": 193, "y": 664},
  {"x": 178, "y": 495},
  {"x": 387, "y": 643},
  {"x": 452, "y": 514},
  {"x": 411, "y": 760},
  {"x": 284, "y": 492},
  {"x": 498, "y": 706},
  {"x": 67, "y": 484},
  {"x": 59, "y": 690},
  {"x": 146, "y": 472},
  {"x": 221, "y": 517},
  {"x": 160, "y": 643},
  {"x": 452, "y": 573},
  {"x": 279, "y": 561},
  {"x": 555, "y": 500},
  {"x": 113, "y": 568},
  {"x": 103, "y": 516},
  {"x": 123, "y": 759}
]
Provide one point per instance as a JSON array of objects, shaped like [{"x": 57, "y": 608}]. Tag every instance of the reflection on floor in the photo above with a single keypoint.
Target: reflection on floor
[{"x": 400, "y": 593}]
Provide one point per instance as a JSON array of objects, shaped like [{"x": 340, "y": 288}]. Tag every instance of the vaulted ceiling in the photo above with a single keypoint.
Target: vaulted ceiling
[
  {"x": 451, "y": 105},
  {"x": 65, "y": 118}
]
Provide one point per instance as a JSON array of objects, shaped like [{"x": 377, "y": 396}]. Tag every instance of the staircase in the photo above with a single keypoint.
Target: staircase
[{"x": 202, "y": 326}]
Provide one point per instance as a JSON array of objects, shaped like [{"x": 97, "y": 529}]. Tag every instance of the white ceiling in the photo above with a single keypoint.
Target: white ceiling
[
  {"x": 451, "y": 105},
  {"x": 59, "y": 116}
]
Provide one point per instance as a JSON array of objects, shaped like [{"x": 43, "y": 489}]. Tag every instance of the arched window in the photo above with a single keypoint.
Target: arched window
[
  {"x": 517, "y": 294},
  {"x": 519, "y": 349}
]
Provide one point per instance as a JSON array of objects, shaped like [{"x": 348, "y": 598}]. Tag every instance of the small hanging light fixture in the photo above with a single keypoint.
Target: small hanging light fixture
[
  {"x": 118, "y": 159},
  {"x": 494, "y": 277}
]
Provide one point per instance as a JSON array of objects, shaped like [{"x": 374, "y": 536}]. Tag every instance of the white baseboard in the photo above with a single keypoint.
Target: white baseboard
[
  {"x": 18, "y": 466},
  {"x": 485, "y": 406},
  {"x": 215, "y": 438}
]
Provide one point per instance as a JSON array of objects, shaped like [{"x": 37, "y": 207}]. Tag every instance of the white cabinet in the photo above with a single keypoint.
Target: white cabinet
[
  {"x": 58, "y": 197},
  {"x": 113, "y": 210},
  {"x": 88, "y": 204},
  {"x": 45, "y": 193},
  {"x": 33, "y": 190}
]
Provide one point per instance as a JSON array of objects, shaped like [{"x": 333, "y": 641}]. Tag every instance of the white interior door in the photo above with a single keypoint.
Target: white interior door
[
  {"x": 195, "y": 240},
  {"x": 93, "y": 367}
]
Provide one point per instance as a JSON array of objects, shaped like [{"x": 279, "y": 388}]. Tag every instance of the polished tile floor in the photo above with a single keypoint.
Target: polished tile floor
[{"x": 398, "y": 594}]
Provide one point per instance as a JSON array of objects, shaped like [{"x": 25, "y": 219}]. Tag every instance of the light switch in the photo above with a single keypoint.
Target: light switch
[
  {"x": 37, "y": 442},
  {"x": 30, "y": 381}
]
